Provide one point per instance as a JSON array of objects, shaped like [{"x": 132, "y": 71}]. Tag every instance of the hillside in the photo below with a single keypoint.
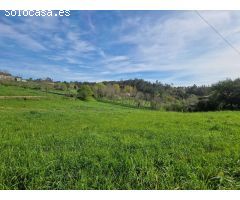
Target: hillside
[
  {"x": 64, "y": 143},
  {"x": 138, "y": 93},
  {"x": 19, "y": 91}
]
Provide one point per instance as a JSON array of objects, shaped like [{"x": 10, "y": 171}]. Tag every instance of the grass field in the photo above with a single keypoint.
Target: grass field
[
  {"x": 62, "y": 143},
  {"x": 18, "y": 91}
]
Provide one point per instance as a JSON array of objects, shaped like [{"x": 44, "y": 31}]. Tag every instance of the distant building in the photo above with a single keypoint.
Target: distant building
[
  {"x": 18, "y": 78},
  {"x": 6, "y": 76}
]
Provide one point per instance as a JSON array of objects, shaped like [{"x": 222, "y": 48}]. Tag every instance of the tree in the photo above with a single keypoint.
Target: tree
[
  {"x": 99, "y": 90},
  {"x": 227, "y": 94},
  {"x": 139, "y": 98},
  {"x": 60, "y": 86},
  {"x": 128, "y": 89},
  {"x": 116, "y": 88},
  {"x": 110, "y": 92},
  {"x": 155, "y": 103},
  {"x": 85, "y": 92},
  {"x": 48, "y": 79}
]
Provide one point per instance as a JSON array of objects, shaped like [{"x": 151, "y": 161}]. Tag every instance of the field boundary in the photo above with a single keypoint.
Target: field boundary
[{"x": 22, "y": 97}]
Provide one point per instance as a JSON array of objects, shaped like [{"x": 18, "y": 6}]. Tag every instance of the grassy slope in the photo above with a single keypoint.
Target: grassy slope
[
  {"x": 61, "y": 143},
  {"x": 18, "y": 91}
]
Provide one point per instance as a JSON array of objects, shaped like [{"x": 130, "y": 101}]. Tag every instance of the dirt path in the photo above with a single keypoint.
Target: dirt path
[{"x": 21, "y": 97}]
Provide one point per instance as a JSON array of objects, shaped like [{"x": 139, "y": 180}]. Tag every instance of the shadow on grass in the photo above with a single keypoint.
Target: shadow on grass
[{"x": 124, "y": 105}]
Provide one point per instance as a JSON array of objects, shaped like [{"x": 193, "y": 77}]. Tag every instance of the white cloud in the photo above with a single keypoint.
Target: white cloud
[
  {"x": 184, "y": 43},
  {"x": 22, "y": 38},
  {"x": 77, "y": 44},
  {"x": 179, "y": 43},
  {"x": 115, "y": 59}
]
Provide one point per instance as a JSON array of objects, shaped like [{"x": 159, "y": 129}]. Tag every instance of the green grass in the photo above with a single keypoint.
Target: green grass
[
  {"x": 18, "y": 91},
  {"x": 62, "y": 143}
]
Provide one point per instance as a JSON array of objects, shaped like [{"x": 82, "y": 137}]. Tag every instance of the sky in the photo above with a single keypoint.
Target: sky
[{"x": 174, "y": 47}]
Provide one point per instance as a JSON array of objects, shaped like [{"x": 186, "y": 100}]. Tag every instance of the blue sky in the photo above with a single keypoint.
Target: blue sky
[{"x": 170, "y": 46}]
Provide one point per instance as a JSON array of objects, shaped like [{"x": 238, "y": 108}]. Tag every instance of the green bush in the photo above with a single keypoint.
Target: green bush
[{"x": 85, "y": 92}]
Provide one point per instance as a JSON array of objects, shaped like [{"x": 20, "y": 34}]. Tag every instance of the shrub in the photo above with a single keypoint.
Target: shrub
[{"x": 85, "y": 92}]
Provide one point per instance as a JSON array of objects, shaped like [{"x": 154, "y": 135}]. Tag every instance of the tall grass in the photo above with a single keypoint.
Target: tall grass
[{"x": 60, "y": 143}]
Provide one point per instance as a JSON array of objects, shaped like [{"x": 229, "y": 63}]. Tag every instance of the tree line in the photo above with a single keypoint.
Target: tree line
[{"x": 224, "y": 95}]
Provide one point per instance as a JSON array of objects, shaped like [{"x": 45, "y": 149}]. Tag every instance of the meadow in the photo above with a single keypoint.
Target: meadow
[
  {"x": 64, "y": 143},
  {"x": 18, "y": 91}
]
